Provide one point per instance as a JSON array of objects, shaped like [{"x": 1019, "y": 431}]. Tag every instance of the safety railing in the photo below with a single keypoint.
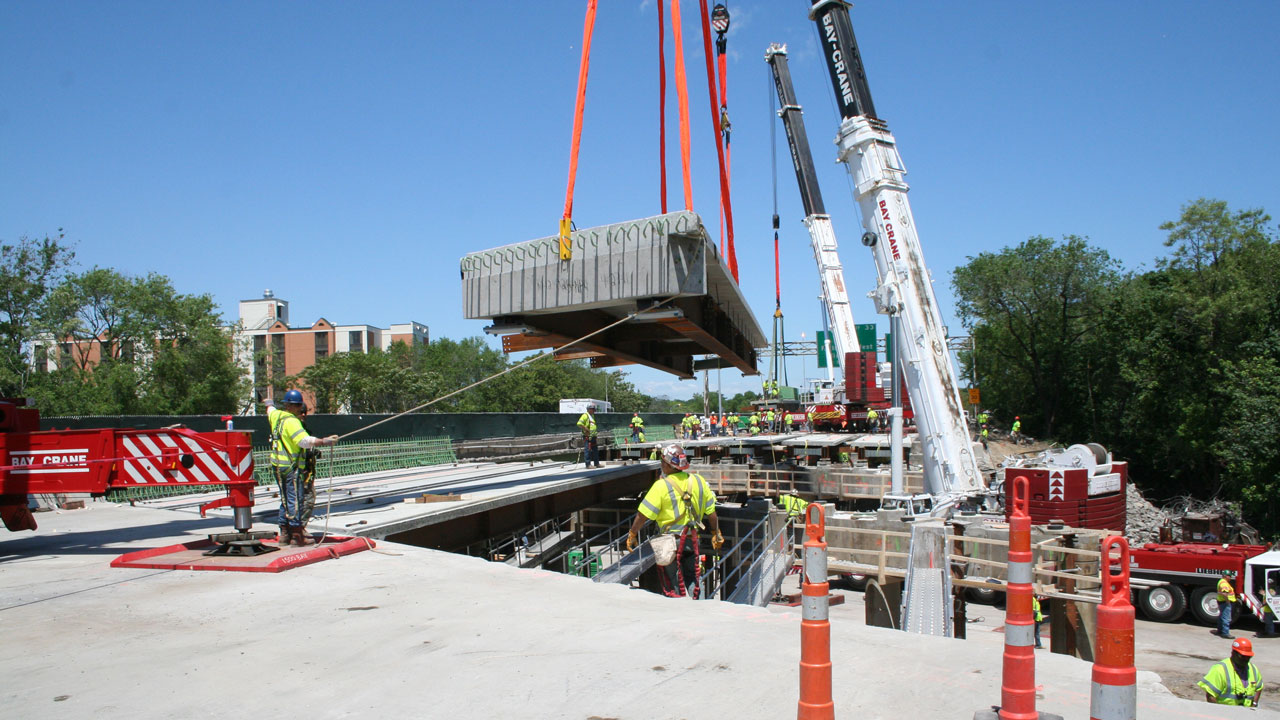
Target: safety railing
[
  {"x": 744, "y": 560},
  {"x": 522, "y": 546},
  {"x": 590, "y": 556},
  {"x": 655, "y": 433}
]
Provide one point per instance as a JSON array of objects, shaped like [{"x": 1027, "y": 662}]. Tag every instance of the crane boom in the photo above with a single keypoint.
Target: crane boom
[
  {"x": 905, "y": 287},
  {"x": 835, "y": 296}
]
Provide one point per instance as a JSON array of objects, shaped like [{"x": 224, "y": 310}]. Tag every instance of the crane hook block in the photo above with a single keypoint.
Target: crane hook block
[{"x": 869, "y": 239}]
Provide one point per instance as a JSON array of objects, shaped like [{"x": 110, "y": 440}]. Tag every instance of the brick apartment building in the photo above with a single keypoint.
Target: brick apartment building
[{"x": 264, "y": 324}]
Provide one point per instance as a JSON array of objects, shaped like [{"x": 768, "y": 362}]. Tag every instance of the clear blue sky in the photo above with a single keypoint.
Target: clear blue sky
[{"x": 346, "y": 155}]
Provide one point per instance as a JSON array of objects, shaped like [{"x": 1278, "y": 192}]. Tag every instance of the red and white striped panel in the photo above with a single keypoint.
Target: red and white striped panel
[{"x": 151, "y": 458}]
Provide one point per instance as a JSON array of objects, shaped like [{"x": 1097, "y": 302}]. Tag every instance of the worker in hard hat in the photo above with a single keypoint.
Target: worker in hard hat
[
  {"x": 873, "y": 423},
  {"x": 590, "y": 437},
  {"x": 985, "y": 435},
  {"x": 1226, "y": 599},
  {"x": 787, "y": 421},
  {"x": 679, "y": 502},
  {"x": 1234, "y": 680},
  {"x": 637, "y": 428},
  {"x": 290, "y": 445},
  {"x": 1015, "y": 432}
]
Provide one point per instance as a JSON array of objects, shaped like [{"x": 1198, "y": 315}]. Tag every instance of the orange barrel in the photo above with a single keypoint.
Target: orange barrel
[
  {"x": 1114, "y": 695},
  {"x": 815, "y": 627}
]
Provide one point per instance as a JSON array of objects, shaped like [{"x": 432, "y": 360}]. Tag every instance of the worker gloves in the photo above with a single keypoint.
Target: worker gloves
[
  {"x": 717, "y": 541},
  {"x": 330, "y": 440},
  {"x": 632, "y": 540}
]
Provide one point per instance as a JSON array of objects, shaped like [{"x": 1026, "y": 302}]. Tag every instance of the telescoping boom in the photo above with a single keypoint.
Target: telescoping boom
[{"x": 904, "y": 288}]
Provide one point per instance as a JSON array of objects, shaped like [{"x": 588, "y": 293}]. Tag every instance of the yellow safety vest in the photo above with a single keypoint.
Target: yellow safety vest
[
  {"x": 1226, "y": 686},
  {"x": 636, "y": 422},
  {"x": 793, "y": 505},
  {"x": 1035, "y": 607},
  {"x": 665, "y": 504},
  {"x": 286, "y": 431},
  {"x": 1225, "y": 592},
  {"x": 588, "y": 424}
]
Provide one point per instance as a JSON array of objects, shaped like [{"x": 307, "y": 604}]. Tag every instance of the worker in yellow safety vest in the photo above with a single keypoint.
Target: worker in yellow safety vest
[
  {"x": 1037, "y": 616},
  {"x": 679, "y": 502},
  {"x": 637, "y": 428},
  {"x": 768, "y": 419},
  {"x": 590, "y": 437},
  {"x": 794, "y": 506},
  {"x": 1226, "y": 599},
  {"x": 1235, "y": 680},
  {"x": 290, "y": 445},
  {"x": 787, "y": 421},
  {"x": 873, "y": 422},
  {"x": 808, "y": 416},
  {"x": 1015, "y": 432}
]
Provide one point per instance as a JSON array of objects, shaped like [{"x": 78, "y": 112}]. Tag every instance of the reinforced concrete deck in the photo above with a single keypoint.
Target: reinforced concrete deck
[
  {"x": 408, "y": 632},
  {"x": 536, "y": 300}
]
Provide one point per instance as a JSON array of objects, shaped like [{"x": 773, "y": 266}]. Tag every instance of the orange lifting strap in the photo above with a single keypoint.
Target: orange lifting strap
[{"x": 566, "y": 221}]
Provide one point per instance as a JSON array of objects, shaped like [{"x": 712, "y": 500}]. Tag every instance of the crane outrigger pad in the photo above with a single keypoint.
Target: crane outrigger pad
[
  {"x": 194, "y": 556},
  {"x": 535, "y": 300}
]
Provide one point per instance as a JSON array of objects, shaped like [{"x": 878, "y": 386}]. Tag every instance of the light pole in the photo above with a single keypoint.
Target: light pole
[{"x": 802, "y": 368}]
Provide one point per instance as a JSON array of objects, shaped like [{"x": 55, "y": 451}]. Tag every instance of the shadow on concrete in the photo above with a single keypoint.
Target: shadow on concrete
[{"x": 16, "y": 547}]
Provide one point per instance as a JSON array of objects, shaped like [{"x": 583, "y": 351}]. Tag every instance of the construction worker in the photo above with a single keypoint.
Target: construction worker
[
  {"x": 590, "y": 437},
  {"x": 679, "y": 502},
  {"x": 1038, "y": 616},
  {"x": 713, "y": 428},
  {"x": 983, "y": 417},
  {"x": 754, "y": 422},
  {"x": 290, "y": 443},
  {"x": 768, "y": 419},
  {"x": 695, "y": 426},
  {"x": 986, "y": 435},
  {"x": 1015, "y": 432},
  {"x": 684, "y": 426},
  {"x": 872, "y": 422},
  {"x": 795, "y": 506},
  {"x": 724, "y": 425},
  {"x": 1268, "y": 615},
  {"x": 1226, "y": 598},
  {"x": 787, "y": 421},
  {"x": 637, "y": 428},
  {"x": 1234, "y": 680}
]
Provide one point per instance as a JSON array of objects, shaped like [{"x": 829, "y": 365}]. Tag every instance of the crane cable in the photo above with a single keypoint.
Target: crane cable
[
  {"x": 731, "y": 256},
  {"x": 566, "y": 220}
]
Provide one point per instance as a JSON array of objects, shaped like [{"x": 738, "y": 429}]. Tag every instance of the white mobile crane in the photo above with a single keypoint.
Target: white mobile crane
[{"x": 905, "y": 288}]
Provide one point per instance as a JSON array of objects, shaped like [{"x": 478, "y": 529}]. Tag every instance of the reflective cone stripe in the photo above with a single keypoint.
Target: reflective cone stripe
[
  {"x": 1018, "y": 685},
  {"x": 815, "y": 628},
  {"x": 1114, "y": 694}
]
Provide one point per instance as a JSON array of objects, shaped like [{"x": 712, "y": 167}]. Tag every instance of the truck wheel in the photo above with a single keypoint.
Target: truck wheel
[
  {"x": 1204, "y": 606},
  {"x": 984, "y": 596},
  {"x": 1165, "y": 603}
]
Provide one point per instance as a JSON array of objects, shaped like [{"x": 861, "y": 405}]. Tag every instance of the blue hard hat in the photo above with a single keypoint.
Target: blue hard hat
[{"x": 293, "y": 397}]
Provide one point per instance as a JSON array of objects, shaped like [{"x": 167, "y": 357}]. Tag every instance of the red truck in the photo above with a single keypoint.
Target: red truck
[{"x": 1190, "y": 572}]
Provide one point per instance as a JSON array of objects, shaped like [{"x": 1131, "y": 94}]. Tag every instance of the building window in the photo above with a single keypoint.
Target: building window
[
  {"x": 355, "y": 340},
  {"x": 42, "y": 358},
  {"x": 322, "y": 345}
]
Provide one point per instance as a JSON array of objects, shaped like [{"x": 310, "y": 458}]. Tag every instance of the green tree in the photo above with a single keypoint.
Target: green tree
[
  {"x": 29, "y": 271},
  {"x": 1029, "y": 309}
]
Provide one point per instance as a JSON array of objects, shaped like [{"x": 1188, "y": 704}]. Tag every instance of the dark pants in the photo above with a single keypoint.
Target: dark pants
[
  {"x": 591, "y": 451},
  {"x": 297, "y": 497},
  {"x": 680, "y": 578}
]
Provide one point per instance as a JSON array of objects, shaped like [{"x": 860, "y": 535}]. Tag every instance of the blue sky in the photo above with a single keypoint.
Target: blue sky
[{"x": 346, "y": 155}]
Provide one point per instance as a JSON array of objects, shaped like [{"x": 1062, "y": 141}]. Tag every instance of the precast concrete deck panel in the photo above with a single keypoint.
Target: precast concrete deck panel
[
  {"x": 408, "y": 632},
  {"x": 615, "y": 270}
]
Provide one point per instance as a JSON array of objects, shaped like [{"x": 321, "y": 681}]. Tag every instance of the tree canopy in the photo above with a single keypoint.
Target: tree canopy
[{"x": 1175, "y": 368}]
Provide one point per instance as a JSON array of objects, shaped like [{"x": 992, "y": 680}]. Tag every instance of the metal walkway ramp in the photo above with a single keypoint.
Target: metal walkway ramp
[{"x": 926, "y": 599}]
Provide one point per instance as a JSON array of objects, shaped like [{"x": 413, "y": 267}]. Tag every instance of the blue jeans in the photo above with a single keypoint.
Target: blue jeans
[
  {"x": 297, "y": 497},
  {"x": 1224, "y": 619},
  {"x": 591, "y": 451}
]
